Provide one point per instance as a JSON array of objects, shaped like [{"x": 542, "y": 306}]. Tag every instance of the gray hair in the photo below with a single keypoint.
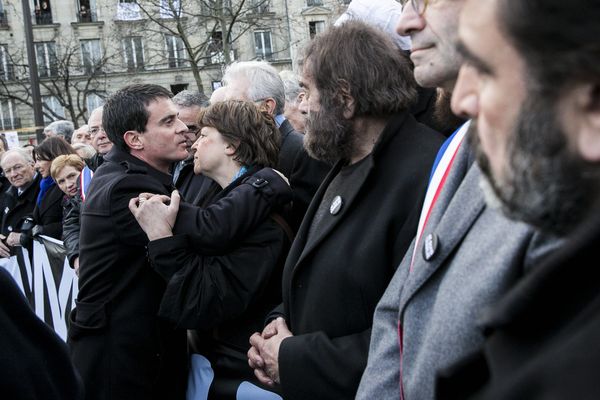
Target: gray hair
[
  {"x": 22, "y": 152},
  {"x": 291, "y": 85},
  {"x": 189, "y": 98},
  {"x": 88, "y": 151},
  {"x": 263, "y": 81},
  {"x": 62, "y": 128}
]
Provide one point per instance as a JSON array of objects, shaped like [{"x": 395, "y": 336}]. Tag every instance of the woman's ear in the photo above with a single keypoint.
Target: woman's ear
[
  {"x": 230, "y": 148},
  {"x": 133, "y": 140}
]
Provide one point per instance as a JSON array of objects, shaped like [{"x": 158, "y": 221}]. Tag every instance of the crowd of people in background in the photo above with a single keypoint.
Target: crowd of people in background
[{"x": 412, "y": 215}]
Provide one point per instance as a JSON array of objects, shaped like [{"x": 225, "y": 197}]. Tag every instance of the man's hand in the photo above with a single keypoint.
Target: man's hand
[
  {"x": 156, "y": 214},
  {"x": 76, "y": 266},
  {"x": 263, "y": 356},
  {"x": 4, "y": 249}
]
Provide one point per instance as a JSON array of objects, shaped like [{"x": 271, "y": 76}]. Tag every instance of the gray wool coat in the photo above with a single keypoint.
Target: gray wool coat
[{"x": 477, "y": 256}]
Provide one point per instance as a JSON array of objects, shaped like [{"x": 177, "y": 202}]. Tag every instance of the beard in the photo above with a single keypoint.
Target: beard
[
  {"x": 328, "y": 135},
  {"x": 544, "y": 182}
]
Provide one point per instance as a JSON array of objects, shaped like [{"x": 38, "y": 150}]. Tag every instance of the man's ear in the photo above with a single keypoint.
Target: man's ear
[
  {"x": 346, "y": 99},
  {"x": 270, "y": 105},
  {"x": 133, "y": 140},
  {"x": 587, "y": 104}
]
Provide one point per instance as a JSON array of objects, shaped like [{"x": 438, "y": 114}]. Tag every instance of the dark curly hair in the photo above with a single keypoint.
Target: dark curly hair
[{"x": 251, "y": 131}]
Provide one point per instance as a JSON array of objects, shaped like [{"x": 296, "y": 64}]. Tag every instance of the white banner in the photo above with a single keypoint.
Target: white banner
[{"x": 48, "y": 283}]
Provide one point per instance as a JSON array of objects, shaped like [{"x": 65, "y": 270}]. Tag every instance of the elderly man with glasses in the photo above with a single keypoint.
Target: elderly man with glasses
[{"x": 19, "y": 200}]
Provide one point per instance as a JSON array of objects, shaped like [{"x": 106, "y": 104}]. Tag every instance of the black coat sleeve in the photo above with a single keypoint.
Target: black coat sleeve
[
  {"x": 224, "y": 223},
  {"x": 71, "y": 228},
  {"x": 35, "y": 362},
  {"x": 332, "y": 365},
  {"x": 205, "y": 291}
]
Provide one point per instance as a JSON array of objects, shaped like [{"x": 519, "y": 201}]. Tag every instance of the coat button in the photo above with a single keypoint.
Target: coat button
[
  {"x": 430, "y": 246},
  {"x": 336, "y": 205}
]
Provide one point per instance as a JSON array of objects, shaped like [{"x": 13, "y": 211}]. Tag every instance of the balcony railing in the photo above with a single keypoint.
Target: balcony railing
[
  {"x": 42, "y": 17},
  {"x": 85, "y": 15}
]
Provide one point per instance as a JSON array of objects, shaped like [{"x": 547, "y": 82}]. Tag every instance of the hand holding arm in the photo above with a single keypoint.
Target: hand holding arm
[{"x": 154, "y": 216}]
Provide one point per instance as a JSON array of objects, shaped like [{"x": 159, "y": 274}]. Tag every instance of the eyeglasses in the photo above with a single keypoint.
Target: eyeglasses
[
  {"x": 419, "y": 6},
  {"x": 17, "y": 168},
  {"x": 95, "y": 130}
]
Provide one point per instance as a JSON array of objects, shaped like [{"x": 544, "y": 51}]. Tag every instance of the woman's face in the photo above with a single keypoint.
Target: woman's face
[
  {"x": 211, "y": 151},
  {"x": 43, "y": 167},
  {"x": 66, "y": 179}
]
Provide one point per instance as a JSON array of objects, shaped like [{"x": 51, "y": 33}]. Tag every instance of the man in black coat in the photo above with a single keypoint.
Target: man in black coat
[
  {"x": 361, "y": 220},
  {"x": 19, "y": 200},
  {"x": 533, "y": 92},
  {"x": 119, "y": 345},
  {"x": 259, "y": 82},
  {"x": 35, "y": 362}
]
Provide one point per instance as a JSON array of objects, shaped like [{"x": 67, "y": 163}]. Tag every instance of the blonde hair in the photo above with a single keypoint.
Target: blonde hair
[{"x": 68, "y": 160}]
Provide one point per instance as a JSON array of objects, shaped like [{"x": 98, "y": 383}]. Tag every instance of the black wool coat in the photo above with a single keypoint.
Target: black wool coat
[
  {"x": 331, "y": 286},
  {"x": 542, "y": 337},
  {"x": 48, "y": 215},
  {"x": 34, "y": 361},
  {"x": 122, "y": 349},
  {"x": 304, "y": 172},
  {"x": 225, "y": 295},
  {"x": 16, "y": 208}
]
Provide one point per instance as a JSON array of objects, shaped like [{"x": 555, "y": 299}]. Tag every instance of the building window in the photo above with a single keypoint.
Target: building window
[
  {"x": 175, "y": 51},
  {"x": 170, "y": 8},
  {"x": 6, "y": 67},
  {"x": 52, "y": 103},
  {"x": 3, "y": 18},
  {"x": 8, "y": 116},
  {"x": 87, "y": 12},
  {"x": 313, "y": 3},
  {"x": 215, "y": 48},
  {"x": 260, "y": 6},
  {"x": 262, "y": 45},
  {"x": 128, "y": 10},
  {"x": 134, "y": 53},
  {"x": 316, "y": 27},
  {"x": 43, "y": 12},
  {"x": 47, "y": 62},
  {"x": 91, "y": 55},
  {"x": 94, "y": 100}
]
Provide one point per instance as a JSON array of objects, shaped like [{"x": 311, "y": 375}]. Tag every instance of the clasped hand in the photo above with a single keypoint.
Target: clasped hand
[
  {"x": 263, "y": 356},
  {"x": 156, "y": 213}
]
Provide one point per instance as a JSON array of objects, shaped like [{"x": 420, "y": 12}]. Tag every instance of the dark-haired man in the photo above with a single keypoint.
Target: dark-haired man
[
  {"x": 533, "y": 92},
  {"x": 119, "y": 345},
  {"x": 465, "y": 254},
  {"x": 361, "y": 219}
]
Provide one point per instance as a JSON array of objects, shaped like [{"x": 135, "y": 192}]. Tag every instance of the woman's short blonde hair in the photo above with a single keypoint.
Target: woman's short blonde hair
[{"x": 72, "y": 160}]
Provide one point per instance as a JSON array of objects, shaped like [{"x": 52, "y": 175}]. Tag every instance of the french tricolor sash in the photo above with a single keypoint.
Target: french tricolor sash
[
  {"x": 441, "y": 168},
  {"x": 84, "y": 181}
]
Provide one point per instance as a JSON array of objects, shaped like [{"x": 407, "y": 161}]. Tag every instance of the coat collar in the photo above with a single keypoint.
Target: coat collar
[
  {"x": 135, "y": 165},
  {"x": 395, "y": 124}
]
